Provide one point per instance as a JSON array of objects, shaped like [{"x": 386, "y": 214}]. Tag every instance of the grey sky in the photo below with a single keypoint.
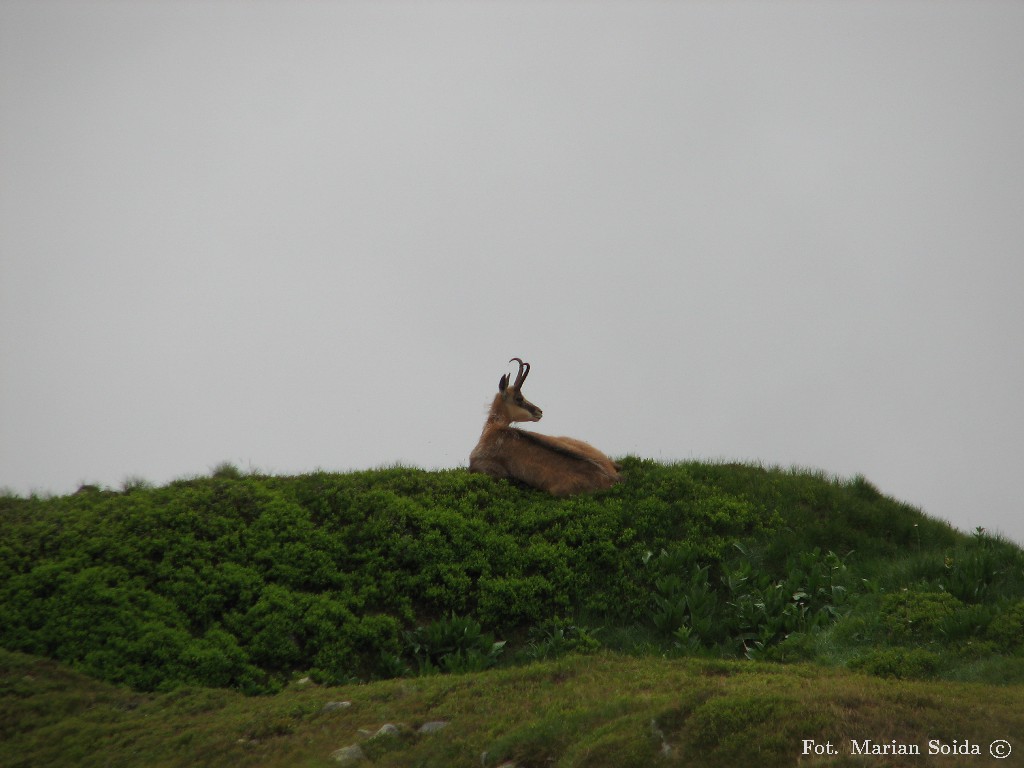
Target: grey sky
[{"x": 309, "y": 235}]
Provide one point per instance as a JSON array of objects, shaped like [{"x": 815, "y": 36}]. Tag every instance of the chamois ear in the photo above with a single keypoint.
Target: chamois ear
[{"x": 503, "y": 383}]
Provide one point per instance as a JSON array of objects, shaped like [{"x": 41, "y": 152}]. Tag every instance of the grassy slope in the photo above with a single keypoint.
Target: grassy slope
[
  {"x": 602, "y": 710},
  {"x": 432, "y": 543}
]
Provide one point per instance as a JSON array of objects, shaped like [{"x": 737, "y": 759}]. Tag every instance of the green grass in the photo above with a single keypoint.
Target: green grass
[
  {"x": 598, "y": 710},
  {"x": 725, "y": 607}
]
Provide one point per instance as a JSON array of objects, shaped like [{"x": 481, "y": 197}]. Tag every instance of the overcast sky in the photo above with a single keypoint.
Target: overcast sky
[{"x": 302, "y": 235}]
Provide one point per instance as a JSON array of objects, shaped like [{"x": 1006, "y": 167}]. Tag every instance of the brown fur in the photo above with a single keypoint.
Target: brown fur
[{"x": 562, "y": 466}]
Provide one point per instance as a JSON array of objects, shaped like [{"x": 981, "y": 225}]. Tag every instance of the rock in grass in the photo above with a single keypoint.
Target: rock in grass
[
  {"x": 433, "y": 726},
  {"x": 388, "y": 729},
  {"x": 348, "y": 755}
]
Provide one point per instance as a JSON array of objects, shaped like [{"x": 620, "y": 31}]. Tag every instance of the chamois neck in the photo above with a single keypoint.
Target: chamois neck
[{"x": 498, "y": 415}]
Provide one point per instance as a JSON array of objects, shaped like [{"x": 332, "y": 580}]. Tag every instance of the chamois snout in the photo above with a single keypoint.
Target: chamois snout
[{"x": 521, "y": 409}]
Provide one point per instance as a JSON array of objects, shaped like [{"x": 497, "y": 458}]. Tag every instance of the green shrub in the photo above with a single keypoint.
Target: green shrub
[
  {"x": 749, "y": 608},
  {"x": 917, "y": 616},
  {"x": 558, "y": 637},
  {"x": 901, "y": 663},
  {"x": 453, "y": 644},
  {"x": 246, "y": 580},
  {"x": 1007, "y": 628}
]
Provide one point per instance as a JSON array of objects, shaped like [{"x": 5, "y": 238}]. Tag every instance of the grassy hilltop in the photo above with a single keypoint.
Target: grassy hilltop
[{"x": 694, "y": 612}]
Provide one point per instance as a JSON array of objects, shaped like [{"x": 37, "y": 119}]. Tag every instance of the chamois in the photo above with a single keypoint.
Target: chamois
[{"x": 562, "y": 466}]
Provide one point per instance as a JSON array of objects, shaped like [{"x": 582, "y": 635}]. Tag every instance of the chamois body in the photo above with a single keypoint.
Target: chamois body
[{"x": 562, "y": 466}]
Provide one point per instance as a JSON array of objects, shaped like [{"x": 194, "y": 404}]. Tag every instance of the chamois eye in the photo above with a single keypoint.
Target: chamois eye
[{"x": 519, "y": 398}]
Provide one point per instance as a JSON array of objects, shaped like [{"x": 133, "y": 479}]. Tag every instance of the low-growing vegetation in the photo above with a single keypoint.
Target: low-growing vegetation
[
  {"x": 601, "y": 710},
  {"x": 246, "y": 581},
  {"x": 747, "y": 589}
]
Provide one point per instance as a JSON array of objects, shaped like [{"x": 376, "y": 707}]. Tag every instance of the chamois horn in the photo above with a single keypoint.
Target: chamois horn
[{"x": 524, "y": 371}]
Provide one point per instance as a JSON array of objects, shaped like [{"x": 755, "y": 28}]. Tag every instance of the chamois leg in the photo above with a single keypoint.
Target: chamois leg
[
  {"x": 488, "y": 467},
  {"x": 562, "y": 487}
]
